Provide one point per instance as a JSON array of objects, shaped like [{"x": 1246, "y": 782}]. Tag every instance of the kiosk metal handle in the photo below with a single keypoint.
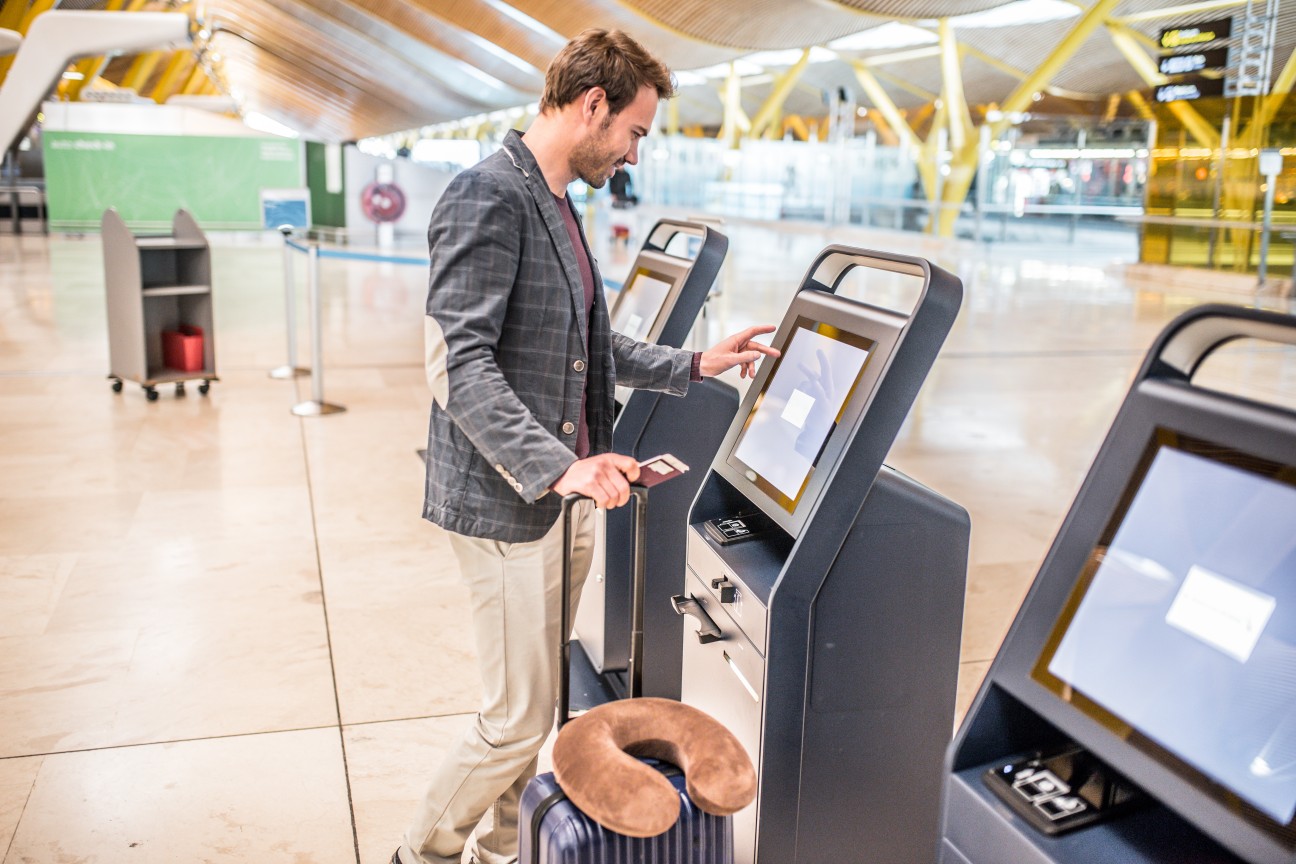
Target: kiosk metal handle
[
  {"x": 1192, "y": 337},
  {"x": 834, "y": 262},
  {"x": 685, "y": 605},
  {"x": 666, "y": 230}
]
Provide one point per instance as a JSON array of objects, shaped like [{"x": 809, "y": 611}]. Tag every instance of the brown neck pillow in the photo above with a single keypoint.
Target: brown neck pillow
[{"x": 596, "y": 762}]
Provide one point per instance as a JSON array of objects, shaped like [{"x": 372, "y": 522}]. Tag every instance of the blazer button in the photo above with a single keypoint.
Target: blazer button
[
  {"x": 579, "y": 365},
  {"x": 568, "y": 428}
]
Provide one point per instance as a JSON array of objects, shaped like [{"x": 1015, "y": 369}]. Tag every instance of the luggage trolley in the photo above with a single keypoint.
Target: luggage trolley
[
  {"x": 827, "y": 587},
  {"x": 1143, "y": 706},
  {"x": 667, "y": 287}
]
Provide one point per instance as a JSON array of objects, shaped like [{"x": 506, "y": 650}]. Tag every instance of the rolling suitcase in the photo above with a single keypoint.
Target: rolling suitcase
[{"x": 551, "y": 829}]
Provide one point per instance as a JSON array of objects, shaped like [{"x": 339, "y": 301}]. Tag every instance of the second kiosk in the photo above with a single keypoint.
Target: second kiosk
[{"x": 828, "y": 587}]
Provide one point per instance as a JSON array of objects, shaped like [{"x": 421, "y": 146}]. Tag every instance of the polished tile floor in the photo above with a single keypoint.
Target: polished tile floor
[{"x": 225, "y": 633}]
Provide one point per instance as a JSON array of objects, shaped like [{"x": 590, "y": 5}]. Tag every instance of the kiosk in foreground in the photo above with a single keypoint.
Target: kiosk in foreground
[
  {"x": 1143, "y": 706},
  {"x": 827, "y": 587}
]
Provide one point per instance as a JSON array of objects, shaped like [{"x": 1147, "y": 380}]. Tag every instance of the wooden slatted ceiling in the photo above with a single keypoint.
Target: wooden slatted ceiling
[{"x": 757, "y": 24}]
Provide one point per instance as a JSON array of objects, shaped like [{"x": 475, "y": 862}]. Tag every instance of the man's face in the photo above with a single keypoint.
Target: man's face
[{"x": 613, "y": 139}]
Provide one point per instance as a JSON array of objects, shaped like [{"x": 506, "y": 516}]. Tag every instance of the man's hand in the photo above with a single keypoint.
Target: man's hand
[
  {"x": 737, "y": 350},
  {"x": 604, "y": 478}
]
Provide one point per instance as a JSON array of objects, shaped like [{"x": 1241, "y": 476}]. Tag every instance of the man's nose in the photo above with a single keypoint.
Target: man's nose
[{"x": 632, "y": 157}]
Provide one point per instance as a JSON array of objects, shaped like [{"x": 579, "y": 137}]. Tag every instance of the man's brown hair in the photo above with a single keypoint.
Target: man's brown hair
[{"x": 604, "y": 58}]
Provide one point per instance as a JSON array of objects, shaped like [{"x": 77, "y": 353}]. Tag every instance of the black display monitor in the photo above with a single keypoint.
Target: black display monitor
[
  {"x": 1180, "y": 633},
  {"x": 801, "y": 408}
]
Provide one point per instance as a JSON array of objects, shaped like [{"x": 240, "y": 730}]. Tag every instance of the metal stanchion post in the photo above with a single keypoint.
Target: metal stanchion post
[
  {"x": 316, "y": 406},
  {"x": 292, "y": 370}
]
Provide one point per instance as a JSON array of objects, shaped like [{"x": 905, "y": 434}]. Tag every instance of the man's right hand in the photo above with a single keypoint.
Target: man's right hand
[{"x": 605, "y": 478}]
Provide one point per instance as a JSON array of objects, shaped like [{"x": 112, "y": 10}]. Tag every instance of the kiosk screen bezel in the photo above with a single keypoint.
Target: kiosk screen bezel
[
  {"x": 662, "y": 268},
  {"x": 1262, "y": 468},
  {"x": 880, "y": 330}
]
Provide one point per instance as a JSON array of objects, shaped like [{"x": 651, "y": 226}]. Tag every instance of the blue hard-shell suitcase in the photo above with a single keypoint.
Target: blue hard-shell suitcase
[{"x": 552, "y": 830}]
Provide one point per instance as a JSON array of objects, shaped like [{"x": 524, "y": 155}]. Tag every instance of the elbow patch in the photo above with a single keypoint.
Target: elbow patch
[{"x": 434, "y": 361}]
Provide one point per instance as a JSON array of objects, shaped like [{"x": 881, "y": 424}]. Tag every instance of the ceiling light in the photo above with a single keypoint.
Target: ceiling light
[
  {"x": 721, "y": 70},
  {"x": 262, "y": 123},
  {"x": 890, "y": 35},
  {"x": 525, "y": 20},
  {"x": 789, "y": 57}
]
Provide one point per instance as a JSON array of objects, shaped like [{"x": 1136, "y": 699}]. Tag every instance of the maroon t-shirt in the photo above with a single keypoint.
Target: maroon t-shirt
[{"x": 587, "y": 279}]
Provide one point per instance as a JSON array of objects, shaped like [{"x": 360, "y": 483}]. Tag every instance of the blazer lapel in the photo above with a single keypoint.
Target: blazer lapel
[{"x": 548, "y": 209}]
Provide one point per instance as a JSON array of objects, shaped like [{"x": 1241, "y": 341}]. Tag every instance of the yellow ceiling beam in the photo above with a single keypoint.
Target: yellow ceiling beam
[
  {"x": 11, "y": 13},
  {"x": 197, "y": 78},
  {"x": 141, "y": 70},
  {"x": 1141, "y": 105},
  {"x": 1197, "y": 126},
  {"x": 1278, "y": 93},
  {"x": 89, "y": 69},
  {"x": 884, "y": 105},
  {"x": 767, "y": 116},
  {"x": 904, "y": 85},
  {"x": 1024, "y": 94},
  {"x": 29, "y": 14},
  {"x": 173, "y": 76}
]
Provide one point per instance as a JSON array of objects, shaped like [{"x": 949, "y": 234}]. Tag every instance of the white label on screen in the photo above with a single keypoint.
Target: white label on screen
[
  {"x": 641, "y": 303},
  {"x": 798, "y": 408},
  {"x": 1220, "y": 612}
]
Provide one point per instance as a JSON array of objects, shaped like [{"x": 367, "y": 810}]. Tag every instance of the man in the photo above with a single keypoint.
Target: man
[{"x": 522, "y": 365}]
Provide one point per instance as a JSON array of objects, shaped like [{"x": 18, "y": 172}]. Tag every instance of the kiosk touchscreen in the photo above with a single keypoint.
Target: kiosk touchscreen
[
  {"x": 814, "y": 570},
  {"x": 1158, "y": 644},
  {"x": 639, "y": 304}
]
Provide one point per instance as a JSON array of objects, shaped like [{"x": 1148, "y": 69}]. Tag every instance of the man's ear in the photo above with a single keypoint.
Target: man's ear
[{"x": 594, "y": 99}]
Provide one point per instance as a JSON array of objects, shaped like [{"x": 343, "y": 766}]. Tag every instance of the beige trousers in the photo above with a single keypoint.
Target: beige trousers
[{"x": 515, "y": 589}]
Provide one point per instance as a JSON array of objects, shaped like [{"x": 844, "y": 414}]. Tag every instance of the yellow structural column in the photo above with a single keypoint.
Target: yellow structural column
[
  {"x": 735, "y": 120},
  {"x": 883, "y": 103},
  {"x": 766, "y": 118},
  {"x": 141, "y": 70},
  {"x": 960, "y": 119},
  {"x": 173, "y": 76}
]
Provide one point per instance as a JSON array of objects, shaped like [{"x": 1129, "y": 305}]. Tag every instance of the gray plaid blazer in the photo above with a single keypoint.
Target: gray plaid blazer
[{"x": 507, "y": 361}]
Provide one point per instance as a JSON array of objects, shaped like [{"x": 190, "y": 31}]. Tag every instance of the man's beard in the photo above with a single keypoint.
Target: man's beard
[{"x": 590, "y": 161}]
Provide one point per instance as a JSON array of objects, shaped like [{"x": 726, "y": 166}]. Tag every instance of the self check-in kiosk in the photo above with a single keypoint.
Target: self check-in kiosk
[
  {"x": 1143, "y": 705},
  {"x": 667, "y": 287},
  {"x": 828, "y": 588}
]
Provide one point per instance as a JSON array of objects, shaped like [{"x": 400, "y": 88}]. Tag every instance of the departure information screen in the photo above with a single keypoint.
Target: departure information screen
[
  {"x": 640, "y": 303},
  {"x": 1181, "y": 633},
  {"x": 798, "y": 408}
]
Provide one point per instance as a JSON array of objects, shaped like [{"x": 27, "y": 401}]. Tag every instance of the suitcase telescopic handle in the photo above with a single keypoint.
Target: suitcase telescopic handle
[
  {"x": 634, "y": 682},
  {"x": 1192, "y": 337}
]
